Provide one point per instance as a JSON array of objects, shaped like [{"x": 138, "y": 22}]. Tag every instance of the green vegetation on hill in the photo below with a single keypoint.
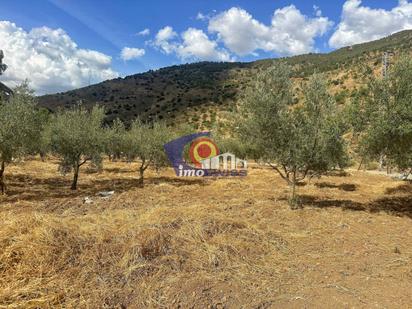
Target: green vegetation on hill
[
  {"x": 198, "y": 93},
  {"x": 155, "y": 94}
]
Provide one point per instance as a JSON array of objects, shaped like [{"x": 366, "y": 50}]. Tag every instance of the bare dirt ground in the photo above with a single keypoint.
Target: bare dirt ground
[{"x": 196, "y": 243}]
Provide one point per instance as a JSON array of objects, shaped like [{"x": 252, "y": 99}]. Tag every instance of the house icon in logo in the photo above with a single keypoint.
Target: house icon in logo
[
  {"x": 224, "y": 161},
  {"x": 205, "y": 160}
]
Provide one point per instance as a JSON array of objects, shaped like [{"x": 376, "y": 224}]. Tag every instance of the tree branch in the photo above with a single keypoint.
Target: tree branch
[
  {"x": 280, "y": 173},
  {"x": 84, "y": 161},
  {"x": 145, "y": 165}
]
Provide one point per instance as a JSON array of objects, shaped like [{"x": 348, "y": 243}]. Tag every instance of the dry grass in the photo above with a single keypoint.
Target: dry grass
[{"x": 197, "y": 243}]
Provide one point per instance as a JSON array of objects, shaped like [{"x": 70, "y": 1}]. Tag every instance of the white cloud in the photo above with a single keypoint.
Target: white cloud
[
  {"x": 50, "y": 59},
  {"x": 290, "y": 32},
  {"x": 317, "y": 10},
  {"x": 238, "y": 30},
  {"x": 130, "y": 53},
  {"x": 144, "y": 32},
  {"x": 192, "y": 45},
  {"x": 196, "y": 45},
  {"x": 361, "y": 24},
  {"x": 201, "y": 16},
  {"x": 162, "y": 39}
]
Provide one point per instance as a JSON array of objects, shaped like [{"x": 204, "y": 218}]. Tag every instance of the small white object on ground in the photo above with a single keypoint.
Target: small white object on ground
[
  {"x": 105, "y": 193},
  {"x": 87, "y": 200}
]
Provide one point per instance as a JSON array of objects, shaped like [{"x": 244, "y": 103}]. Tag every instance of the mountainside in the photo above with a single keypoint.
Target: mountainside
[
  {"x": 199, "y": 93},
  {"x": 157, "y": 94}
]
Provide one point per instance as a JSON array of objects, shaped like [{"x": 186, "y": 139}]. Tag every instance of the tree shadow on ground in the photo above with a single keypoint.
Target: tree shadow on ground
[
  {"x": 119, "y": 170},
  {"x": 339, "y": 173},
  {"x": 344, "y": 187},
  {"x": 313, "y": 201},
  {"x": 399, "y": 205},
  {"x": 29, "y": 188},
  {"x": 404, "y": 188}
]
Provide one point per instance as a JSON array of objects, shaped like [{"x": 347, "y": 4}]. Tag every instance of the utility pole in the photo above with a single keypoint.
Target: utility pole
[
  {"x": 386, "y": 63},
  {"x": 385, "y": 72}
]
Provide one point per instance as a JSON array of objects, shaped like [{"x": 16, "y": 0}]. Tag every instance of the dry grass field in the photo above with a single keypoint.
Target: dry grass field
[{"x": 197, "y": 243}]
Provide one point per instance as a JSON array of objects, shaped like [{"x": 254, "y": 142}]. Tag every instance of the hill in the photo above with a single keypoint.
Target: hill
[{"x": 198, "y": 93}]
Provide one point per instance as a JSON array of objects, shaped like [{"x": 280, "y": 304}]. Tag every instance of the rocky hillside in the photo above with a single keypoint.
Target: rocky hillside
[{"x": 200, "y": 93}]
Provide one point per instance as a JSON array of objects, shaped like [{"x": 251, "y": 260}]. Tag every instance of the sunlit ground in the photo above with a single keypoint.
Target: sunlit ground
[{"x": 228, "y": 242}]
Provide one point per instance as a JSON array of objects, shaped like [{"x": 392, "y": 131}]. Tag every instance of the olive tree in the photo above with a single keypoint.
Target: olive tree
[
  {"x": 297, "y": 139},
  {"x": 233, "y": 145},
  {"x": 144, "y": 141},
  {"x": 356, "y": 115},
  {"x": 389, "y": 129},
  {"x": 19, "y": 128},
  {"x": 115, "y": 139},
  {"x": 77, "y": 137}
]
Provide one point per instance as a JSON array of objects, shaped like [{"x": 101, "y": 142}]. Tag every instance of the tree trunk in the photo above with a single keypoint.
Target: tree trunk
[
  {"x": 75, "y": 177},
  {"x": 360, "y": 164},
  {"x": 141, "y": 179},
  {"x": 293, "y": 200},
  {"x": 381, "y": 162},
  {"x": 142, "y": 168},
  {"x": 293, "y": 203},
  {"x": 2, "y": 184},
  {"x": 388, "y": 169}
]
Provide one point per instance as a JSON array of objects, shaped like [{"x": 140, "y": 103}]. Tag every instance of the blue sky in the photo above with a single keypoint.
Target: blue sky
[{"x": 66, "y": 44}]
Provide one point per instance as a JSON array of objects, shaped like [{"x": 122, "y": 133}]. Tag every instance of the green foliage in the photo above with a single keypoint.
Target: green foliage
[
  {"x": 232, "y": 145},
  {"x": 18, "y": 124},
  {"x": 341, "y": 96},
  {"x": 145, "y": 142},
  {"x": 296, "y": 140},
  {"x": 198, "y": 84},
  {"x": 115, "y": 139},
  {"x": 77, "y": 137},
  {"x": 389, "y": 130},
  {"x": 43, "y": 143},
  {"x": 368, "y": 70},
  {"x": 19, "y": 127},
  {"x": 356, "y": 115}
]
